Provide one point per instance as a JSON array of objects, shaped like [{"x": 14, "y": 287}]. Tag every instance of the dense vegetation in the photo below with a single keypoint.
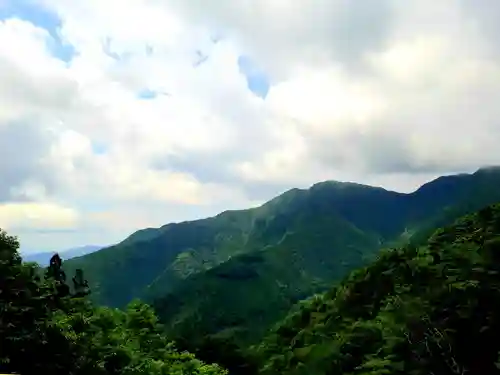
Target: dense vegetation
[
  {"x": 46, "y": 327},
  {"x": 431, "y": 306},
  {"x": 231, "y": 277},
  {"x": 433, "y": 309}
]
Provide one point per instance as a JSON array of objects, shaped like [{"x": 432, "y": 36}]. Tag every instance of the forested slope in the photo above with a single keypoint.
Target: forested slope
[
  {"x": 335, "y": 229},
  {"x": 427, "y": 309},
  {"x": 232, "y": 276},
  {"x": 161, "y": 258},
  {"x": 432, "y": 309}
]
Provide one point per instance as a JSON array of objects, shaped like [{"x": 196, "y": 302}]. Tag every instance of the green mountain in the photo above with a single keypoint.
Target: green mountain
[
  {"x": 431, "y": 309},
  {"x": 240, "y": 271}
]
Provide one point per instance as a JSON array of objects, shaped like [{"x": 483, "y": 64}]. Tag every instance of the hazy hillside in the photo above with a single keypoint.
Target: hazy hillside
[
  {"x": 297, "y": 243},
  {"x": 44, "y": 257}
]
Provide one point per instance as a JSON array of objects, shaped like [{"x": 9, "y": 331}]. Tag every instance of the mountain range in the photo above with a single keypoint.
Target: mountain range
[
  {"x": 43, "y": 258},
  {"x": 238, "y": 273}
]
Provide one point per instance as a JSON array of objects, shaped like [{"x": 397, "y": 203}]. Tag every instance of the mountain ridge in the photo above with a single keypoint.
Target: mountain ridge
[
  {"x": 147, "y": 233},
  {"x": 294, "y": 245}
]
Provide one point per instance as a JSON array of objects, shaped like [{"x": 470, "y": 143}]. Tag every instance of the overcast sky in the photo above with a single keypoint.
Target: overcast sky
[{"x": 117, "y": 115}]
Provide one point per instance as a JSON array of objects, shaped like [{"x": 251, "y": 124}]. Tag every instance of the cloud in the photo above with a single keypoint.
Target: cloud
[
  {"x": 171, "y": 110},
  {"x": 284, "y": 36},
  {"x": 37, "y": 216}
]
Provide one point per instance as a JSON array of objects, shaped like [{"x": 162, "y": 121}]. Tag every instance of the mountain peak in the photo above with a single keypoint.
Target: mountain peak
[{"x": 344, "y": 185}]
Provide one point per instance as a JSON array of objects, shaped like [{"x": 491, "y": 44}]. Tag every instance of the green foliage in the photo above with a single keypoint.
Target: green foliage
[
  {"x": 236, "y": 274},
  {"x": 321, "y": 235},
  {"x": 47, "y": 328},
  {"x": 247, "y": 294},
  {"x": 416, "y": 310},
  {"x": 427, "y": 307}
]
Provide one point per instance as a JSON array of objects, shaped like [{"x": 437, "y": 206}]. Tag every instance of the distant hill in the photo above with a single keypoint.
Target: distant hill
[
  {"x": 44, "y": 257},
  {"x": 239, "y": 272}
]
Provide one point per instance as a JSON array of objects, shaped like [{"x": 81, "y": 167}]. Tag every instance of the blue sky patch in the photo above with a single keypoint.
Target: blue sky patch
[
  {"x": 41, "y": 17},
  {"x": 99, "y": 148},
  {"x": 147, "y": 94},
  {"x": 257, "y": 80}
]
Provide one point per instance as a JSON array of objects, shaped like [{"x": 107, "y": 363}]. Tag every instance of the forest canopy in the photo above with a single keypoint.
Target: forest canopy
[
  {"x": 429, "y": 309},
  {"x": 48, "y": 326}
]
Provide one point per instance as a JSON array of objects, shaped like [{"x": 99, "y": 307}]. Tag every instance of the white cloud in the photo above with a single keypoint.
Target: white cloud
[
  {"x": 383, "y": 93},
  {"x": 37, "y": 216}
]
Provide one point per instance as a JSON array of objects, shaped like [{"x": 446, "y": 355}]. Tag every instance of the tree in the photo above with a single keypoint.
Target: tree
[
  {"x": 56, "y": 273},
  {"x": 45, "y": 329},
  {"x": 29, "y": 343},
  {"x": 80, "y": 285}
]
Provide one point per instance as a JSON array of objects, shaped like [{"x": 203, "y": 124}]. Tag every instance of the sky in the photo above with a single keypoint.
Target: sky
[{"x": 121, "y": 115}]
